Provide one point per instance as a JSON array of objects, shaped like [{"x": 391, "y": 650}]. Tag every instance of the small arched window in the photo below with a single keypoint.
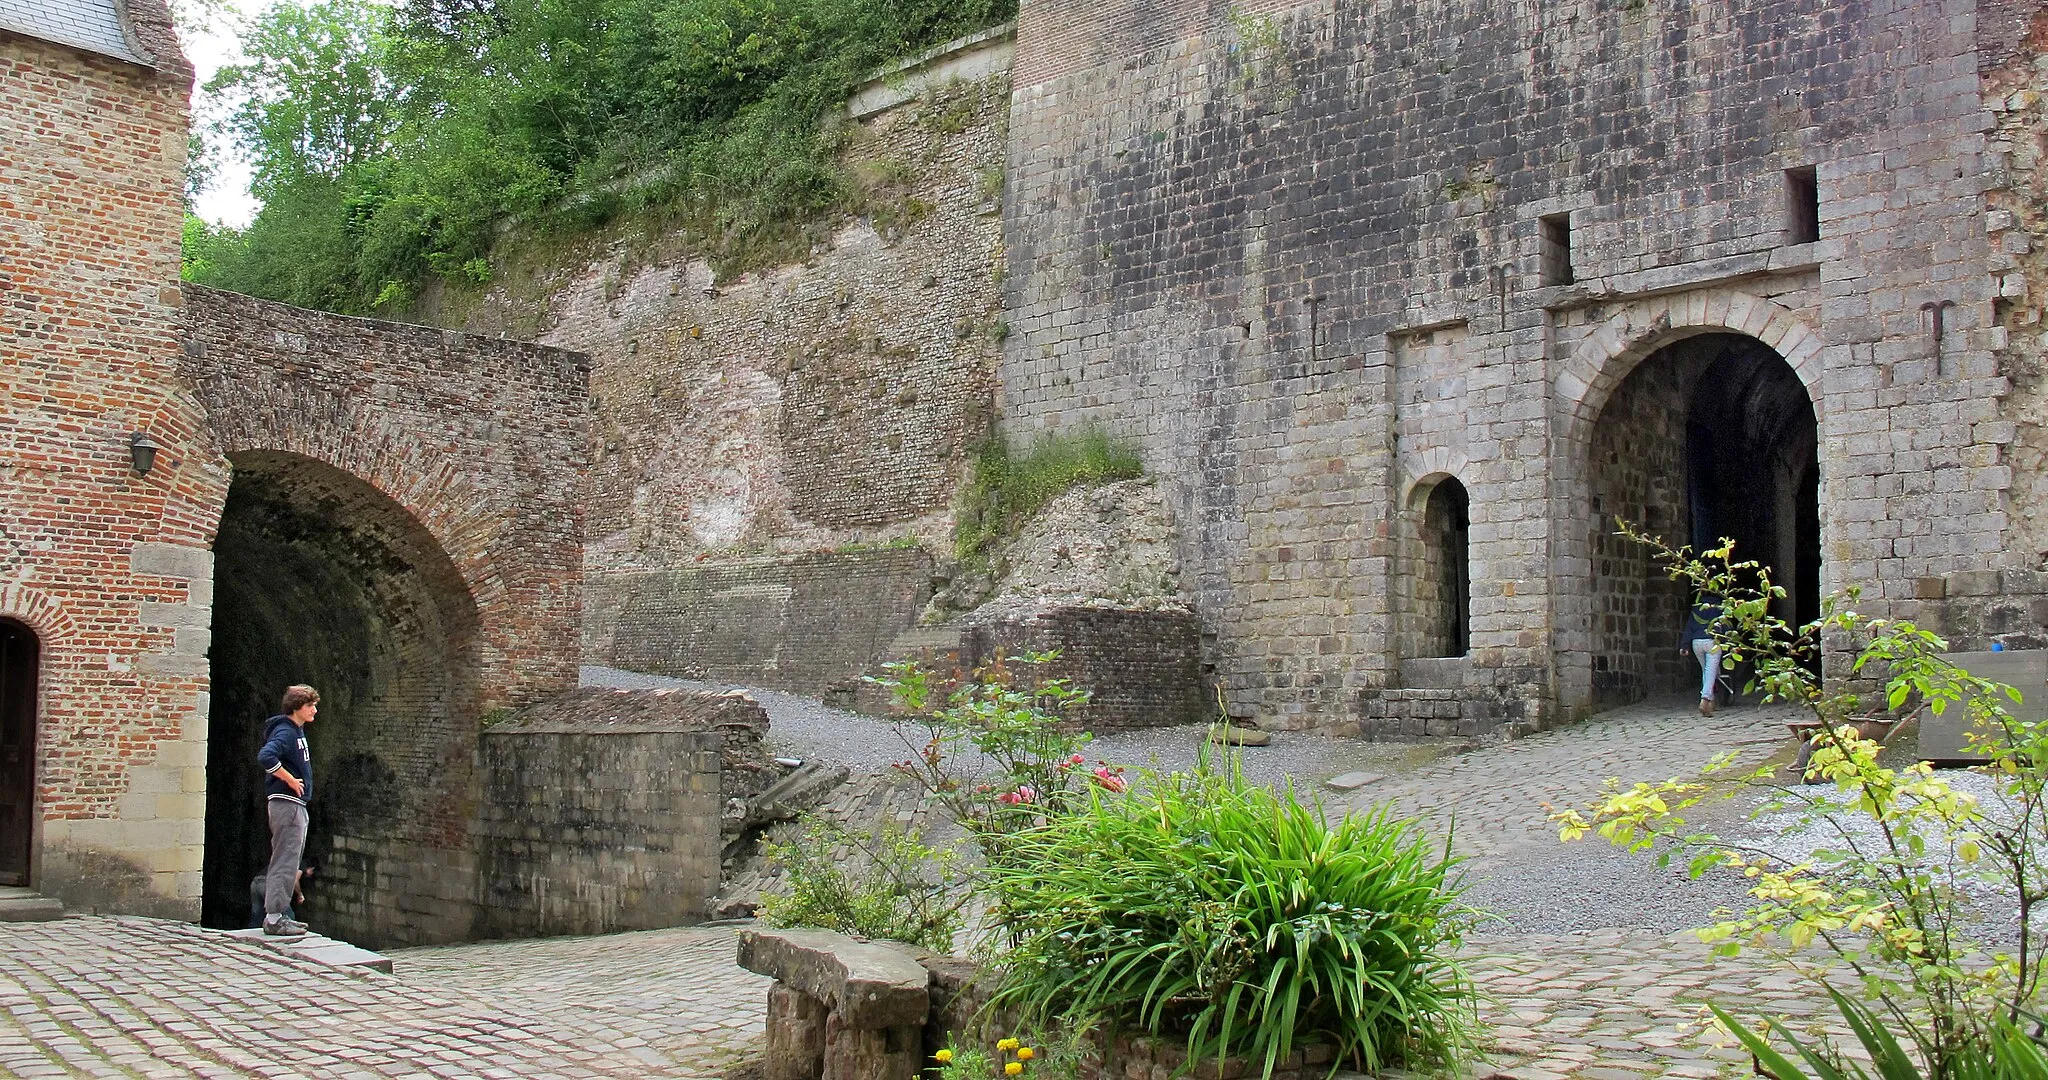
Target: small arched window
[{"x": 1446, "y": 538}]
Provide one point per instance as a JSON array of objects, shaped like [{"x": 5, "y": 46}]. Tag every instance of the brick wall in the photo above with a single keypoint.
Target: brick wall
[
  {"x": 601, "y": 809},
  {"x": 103, "y": 565},
  {"x": 1142, "y": 668},
  {"x": 1231, "y": 238},
  {"x": 798, "y": 622}
]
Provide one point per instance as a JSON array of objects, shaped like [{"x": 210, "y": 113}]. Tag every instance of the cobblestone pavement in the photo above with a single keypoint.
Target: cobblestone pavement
[
  {"x": 135, "y": 997},
  {"x": 139, "y": 997}
]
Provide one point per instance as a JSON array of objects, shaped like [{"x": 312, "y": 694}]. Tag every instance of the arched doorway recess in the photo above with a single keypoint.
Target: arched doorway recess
[
  {"x": 1444, "y": 592},
  {"x": 20, "y": 677},
  {"x": 322, "y": 579},
  {"x": 1710, "y": 436}
]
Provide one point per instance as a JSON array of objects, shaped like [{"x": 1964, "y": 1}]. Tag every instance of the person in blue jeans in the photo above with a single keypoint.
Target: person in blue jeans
[
  {"x": 287, "y": 765},
  {"x": 1698, "y": 639}
]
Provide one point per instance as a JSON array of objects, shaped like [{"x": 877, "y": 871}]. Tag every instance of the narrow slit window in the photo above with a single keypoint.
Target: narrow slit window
[
  {"x": 1802, "y": 206},
  {"x": 1557, "y": 249}
]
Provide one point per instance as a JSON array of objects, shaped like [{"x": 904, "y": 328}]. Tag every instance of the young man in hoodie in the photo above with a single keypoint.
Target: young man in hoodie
[{"x": 288, "y": 786}]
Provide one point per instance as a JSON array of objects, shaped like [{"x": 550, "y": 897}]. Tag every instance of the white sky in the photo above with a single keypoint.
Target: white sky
[{"x": 210, "y": 47}]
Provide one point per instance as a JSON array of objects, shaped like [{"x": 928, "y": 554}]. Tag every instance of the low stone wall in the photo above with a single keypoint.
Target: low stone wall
[
  {"x": 844, "y": 1008},
  {"x": 602, "y": 809},
  {"x": 1144, "y": 668},
  {"x": 798, "y": 623}
]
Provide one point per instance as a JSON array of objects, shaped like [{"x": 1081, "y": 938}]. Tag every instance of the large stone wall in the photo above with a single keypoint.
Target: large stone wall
[
  {"x": 1299, "y": 252},
  {"x": 101, "y": 564}
]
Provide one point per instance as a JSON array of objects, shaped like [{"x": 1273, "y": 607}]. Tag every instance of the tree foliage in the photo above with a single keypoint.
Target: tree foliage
[{"x": 395, "y": 143}]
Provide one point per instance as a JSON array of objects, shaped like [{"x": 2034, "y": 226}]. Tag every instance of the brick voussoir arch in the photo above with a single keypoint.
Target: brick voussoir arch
[
  {"x": 38, "y": 611},
  {"x": 480, "y": 441},
  {"x": 420, "y": 479},
  {"x": 1597, "y": 367}
]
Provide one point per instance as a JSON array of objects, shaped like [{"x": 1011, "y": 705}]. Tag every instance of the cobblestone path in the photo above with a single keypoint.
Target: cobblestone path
[
  {"x": 123, "y": 997},
  {"x": 1498, "y": 794},
  {"x": 136, "y": 997}
]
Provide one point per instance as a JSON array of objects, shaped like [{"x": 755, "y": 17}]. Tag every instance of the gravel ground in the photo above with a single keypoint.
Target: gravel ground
[
  {"x": 1526, "y": 881},
  {"x": 803, "y": 727}
]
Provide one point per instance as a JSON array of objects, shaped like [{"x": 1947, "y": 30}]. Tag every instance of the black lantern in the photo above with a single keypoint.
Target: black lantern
[{"x": 142, "y": 452}]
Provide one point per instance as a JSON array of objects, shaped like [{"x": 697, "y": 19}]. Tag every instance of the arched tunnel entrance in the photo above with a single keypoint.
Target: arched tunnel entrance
[
  {"x": 1712, "y": 436},
  {"x": 322, "y": 579}
]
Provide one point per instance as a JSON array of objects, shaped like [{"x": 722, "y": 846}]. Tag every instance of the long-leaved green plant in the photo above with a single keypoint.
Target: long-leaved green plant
[{"x": 1202, "y": 907}]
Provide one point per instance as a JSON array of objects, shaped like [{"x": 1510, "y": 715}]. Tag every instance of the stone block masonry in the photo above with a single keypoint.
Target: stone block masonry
[
  {"x": 1141, "y": 668},
  {"x": 800, "y": 622},
  {"x": 601, "y": 809},
  {"x": 1316, "y": 258}
]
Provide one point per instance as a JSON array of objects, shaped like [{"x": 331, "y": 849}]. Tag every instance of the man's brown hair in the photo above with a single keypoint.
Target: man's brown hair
[{"x": 297, "y": 697}]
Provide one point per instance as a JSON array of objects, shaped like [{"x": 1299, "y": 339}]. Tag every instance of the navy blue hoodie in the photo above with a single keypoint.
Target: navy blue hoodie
[{"x": 284, "y": 743}]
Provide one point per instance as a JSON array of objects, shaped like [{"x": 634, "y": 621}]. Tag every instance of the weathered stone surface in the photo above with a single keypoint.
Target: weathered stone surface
[
  {"x": 866, "y": 985},
  {"x": 864, "y": 1053},
  {"x": 796, "y": 622},
  {"x": 795, "y": 1042},
  {"x": 1350, "y": 781},
  {"x": 1307, "y": 257}
]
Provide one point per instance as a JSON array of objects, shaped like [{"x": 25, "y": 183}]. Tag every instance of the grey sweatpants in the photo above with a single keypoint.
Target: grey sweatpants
[{"x": 287, "y": 843}]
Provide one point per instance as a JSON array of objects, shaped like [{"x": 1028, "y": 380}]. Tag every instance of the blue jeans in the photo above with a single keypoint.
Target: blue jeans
[{"x": 1709, "y": 656}]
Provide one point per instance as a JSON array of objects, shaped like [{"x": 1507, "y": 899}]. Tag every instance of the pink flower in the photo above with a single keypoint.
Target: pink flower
[
  {"x": 1114, "y": 781},
  {"x": 1076, "y": 759}
]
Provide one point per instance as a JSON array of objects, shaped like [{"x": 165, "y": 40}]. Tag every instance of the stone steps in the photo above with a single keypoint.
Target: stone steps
[
  {"x": 26, "y": 905},
  {"x": 317, "y": 948}
]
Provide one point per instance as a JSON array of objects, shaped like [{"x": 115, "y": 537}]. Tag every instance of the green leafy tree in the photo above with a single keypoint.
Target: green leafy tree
[
  {"x": 312, "y": 97},
  {"x": 395, "y": 144}
]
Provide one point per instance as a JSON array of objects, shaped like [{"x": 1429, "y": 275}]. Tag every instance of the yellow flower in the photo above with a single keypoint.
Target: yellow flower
[
  {"x": 945, "y": 1057},
  {"x": 1007, "y": 1044},
  {"x": 1013, "y": 1068},
  {"x": 1024, "y": 1053}
]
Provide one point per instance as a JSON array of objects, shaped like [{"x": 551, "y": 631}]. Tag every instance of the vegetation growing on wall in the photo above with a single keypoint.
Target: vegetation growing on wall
[
  {"x": 395, "y": 144},
  {"x": 1007, "y": 487}
]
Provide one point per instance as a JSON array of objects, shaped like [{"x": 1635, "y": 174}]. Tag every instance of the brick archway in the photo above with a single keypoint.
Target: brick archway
[
  {"x": 403, "y": 529},
  {"x": 36, "y": 610}
]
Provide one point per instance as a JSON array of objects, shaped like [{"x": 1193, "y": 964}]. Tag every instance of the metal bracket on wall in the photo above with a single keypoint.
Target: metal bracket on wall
[{"x": 1939, "y": 308}]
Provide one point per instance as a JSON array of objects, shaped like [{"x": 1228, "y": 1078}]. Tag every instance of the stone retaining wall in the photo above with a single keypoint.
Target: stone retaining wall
[
  {"x": 799, "y": 623},
  {"x": 602, "y": 809}
]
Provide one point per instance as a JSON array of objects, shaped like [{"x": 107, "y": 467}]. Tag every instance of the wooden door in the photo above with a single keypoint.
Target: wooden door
[{"x": 20, "y": 661}]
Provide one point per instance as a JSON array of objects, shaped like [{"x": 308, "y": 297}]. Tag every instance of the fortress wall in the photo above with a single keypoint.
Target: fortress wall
[{"x": 1244, "y": 237}]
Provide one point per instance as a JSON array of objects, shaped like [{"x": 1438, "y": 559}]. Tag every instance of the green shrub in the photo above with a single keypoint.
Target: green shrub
[
  {"x": 442, "y": 125},
  {"x": 1206, "y": 908},
  {"x": 996, "y": 746},
  {"x": 1007, "y": 487},
  {"x": 888, "y": 885}
]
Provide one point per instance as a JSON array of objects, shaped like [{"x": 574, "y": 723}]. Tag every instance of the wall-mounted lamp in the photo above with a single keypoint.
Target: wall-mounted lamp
[{"x": 142, "y": 452}]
